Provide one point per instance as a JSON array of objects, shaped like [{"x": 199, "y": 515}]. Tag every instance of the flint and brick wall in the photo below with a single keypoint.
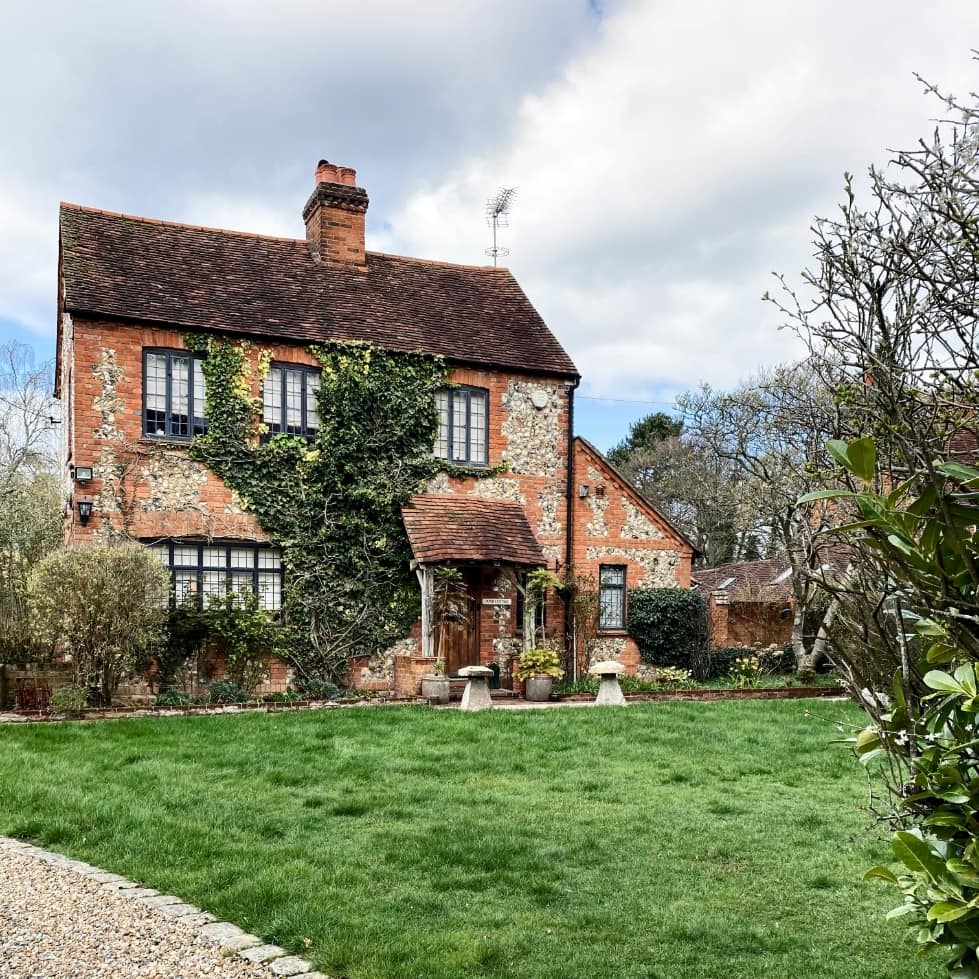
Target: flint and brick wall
[
  {"x": 614, "y": 525},
  {"x": 145, "y": 486},
  {"x": 533, "y": 442}
]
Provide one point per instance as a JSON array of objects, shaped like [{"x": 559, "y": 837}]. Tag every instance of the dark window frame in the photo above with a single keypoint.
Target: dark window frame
[
  {"x": 615, "y": 587},
  {"x": 196, "y": 423},
  {"x": 305, "y": 371},
  {"x": 466, "y": 392},
  {"x": 231, "y": 573}
]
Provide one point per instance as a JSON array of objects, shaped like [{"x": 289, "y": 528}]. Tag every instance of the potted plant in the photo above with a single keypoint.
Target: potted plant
[
  {"x": 539, "y": 667},
  {"x": 435, "y": 685}
]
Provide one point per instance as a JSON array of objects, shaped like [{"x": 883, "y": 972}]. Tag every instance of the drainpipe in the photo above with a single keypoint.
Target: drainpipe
[{"x": 569, "y": 530}]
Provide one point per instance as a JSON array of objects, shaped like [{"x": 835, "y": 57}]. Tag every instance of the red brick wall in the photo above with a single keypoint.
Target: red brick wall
[
  {"x": 107, "y": 427},
  {"x": 102, "y": 381},
  {"x": 613, "y": 525}
]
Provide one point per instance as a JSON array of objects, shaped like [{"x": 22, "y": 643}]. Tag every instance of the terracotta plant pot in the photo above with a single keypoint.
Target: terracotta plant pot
[{"x": 538, "y": 688}]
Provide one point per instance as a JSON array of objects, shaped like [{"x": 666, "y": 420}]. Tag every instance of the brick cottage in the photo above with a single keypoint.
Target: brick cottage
[{"x": 130, "y": 291}]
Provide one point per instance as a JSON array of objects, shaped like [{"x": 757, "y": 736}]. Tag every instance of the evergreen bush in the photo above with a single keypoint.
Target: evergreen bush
[{"x": 669, "y": 626}]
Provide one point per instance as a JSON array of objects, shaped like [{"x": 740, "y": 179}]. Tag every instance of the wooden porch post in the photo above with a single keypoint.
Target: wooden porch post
[{"x": 425, "y": 580}]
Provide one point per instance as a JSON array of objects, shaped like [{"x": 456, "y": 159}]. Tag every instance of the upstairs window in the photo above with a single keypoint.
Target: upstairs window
[
  {"x": 173, "y": 395},
  {"x": 207, "y": 571},
  {"x": 463, "y": 431},
  {"x": 289, "y": 395},
  {"x": 611, "y": 589}
]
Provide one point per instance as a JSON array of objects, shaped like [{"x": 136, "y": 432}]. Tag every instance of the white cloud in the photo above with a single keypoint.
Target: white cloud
[
  {"x": 669, "y": 155},
  {"x": 678, "y": 161}
]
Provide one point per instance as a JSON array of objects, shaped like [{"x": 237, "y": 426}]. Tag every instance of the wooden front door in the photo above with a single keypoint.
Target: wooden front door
[{"x": 457, "y": 636}]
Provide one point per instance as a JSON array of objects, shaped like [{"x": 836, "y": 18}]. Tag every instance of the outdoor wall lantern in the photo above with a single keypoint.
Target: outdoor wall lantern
[
  {"x": 583, "y": 490},
  {"x": 84, "y": 511},
  {"x": 83, "y": 474}
]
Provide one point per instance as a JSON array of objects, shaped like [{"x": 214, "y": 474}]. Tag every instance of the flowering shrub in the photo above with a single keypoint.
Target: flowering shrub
[
  {"x": 539, "y": 661},
  {"x": 746, "y": 671},
  {"x": 671, "y": 677}
]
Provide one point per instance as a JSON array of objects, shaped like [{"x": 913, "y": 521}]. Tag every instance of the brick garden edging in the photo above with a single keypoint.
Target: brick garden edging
[
  {"x": 232, "y": 939},
  {"x": 110, "y": 713},
  {"x": 152, "y": 710},
  {"x": 753, "y": 693}
]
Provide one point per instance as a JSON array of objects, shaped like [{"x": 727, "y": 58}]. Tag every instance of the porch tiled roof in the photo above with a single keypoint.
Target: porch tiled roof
[
  {"x": 446, "y": 528},
  {"x": 179, "y": 275}
]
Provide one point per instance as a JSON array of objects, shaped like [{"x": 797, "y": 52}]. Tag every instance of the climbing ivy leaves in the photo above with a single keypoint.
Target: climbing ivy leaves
[{"x": 331, "y": 503}]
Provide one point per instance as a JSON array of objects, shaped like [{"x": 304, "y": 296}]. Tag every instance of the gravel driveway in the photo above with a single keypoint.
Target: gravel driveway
[{"x": 61, "y": 921}]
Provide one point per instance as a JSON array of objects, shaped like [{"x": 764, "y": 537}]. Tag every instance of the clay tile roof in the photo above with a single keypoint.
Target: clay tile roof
[
  {"x": 752, "y": 580},
  {"x": 446, "y": 528},
  {"x": 179, "y": 275}
]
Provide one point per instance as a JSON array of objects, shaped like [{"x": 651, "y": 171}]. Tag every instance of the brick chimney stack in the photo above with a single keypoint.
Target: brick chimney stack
[{"x": 334, "y": 216}]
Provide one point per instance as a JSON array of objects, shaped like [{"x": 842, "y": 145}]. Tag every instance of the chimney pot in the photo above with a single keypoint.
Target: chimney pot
[
  {"x": 334, "y": 216},
  {"x": 327, "y": 173}
]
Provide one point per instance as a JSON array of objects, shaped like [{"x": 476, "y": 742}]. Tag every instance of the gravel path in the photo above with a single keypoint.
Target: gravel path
[{"x": 63, "y": 920}]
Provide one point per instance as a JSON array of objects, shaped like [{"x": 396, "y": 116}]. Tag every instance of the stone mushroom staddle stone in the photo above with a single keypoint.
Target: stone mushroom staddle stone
[
  {"x": 476, "y": 696},
  {"x": 609, "y": 691}
]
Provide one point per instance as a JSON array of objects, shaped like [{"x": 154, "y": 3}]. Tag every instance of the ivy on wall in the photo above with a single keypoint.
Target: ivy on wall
[{"x": 331, "y": 503}]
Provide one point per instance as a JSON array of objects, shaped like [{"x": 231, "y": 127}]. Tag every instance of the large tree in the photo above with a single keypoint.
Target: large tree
[
  {"x": 646, "y": 435},
  {"x": 705, "y": 495},
  {"x": 889, "y": 311},
  {"x": 772, "y": 432},
  {"x": 30, "y": 497}
]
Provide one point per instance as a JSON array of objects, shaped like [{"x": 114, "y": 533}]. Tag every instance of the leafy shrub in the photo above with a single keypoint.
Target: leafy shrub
[
  {"x": 670, "y": 627},
  {"x": 69, "y": 700},
  {"x": 539, "y": 661},
  {"x": 187, "y": 631},
  {"x": 245, "y": 633},
  {"x": 226, "y": 692},
  {"x": 106, "y": 605},
  {"x": 173, "y": 698},
  {"x": 669, "y": 677},
  {"x": 282, "y": 697},
  {"x": 779, "y": 661},
  {"x": 746, "y": 672},
  {"x": 315, "y": 688}
]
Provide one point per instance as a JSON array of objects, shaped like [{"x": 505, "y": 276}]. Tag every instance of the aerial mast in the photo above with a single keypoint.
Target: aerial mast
[{"x": 498, "y": 216}]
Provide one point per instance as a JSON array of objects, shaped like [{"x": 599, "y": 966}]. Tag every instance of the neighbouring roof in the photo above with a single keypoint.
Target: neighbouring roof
[
  {"x": 133, "y": 268},
  {"x": 759, "y": 581},
  {"x": 447, "y": 528}
]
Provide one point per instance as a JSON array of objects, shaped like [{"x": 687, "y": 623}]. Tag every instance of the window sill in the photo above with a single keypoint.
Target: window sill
[{"x": 175, "y": 440}]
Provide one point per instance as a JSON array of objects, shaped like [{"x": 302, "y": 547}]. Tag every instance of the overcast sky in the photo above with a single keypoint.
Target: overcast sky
[{"x": 669, "y": 154}]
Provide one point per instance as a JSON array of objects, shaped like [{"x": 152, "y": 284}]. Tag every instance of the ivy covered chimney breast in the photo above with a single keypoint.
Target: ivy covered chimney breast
[{"x": 334, "y": 216}]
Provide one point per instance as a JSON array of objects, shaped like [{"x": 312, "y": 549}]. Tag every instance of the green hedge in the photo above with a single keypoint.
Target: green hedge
[{"x": 669, "y": 626}]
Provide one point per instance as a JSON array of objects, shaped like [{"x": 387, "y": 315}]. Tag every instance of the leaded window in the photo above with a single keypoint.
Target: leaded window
[
  {"x": 173, "y": 394},
  {"x": 611, "y": 585},
  {"x": 289, "y": 400},
  {"x": 463, "y": 425},
  {"x": 204, "y": 571}
]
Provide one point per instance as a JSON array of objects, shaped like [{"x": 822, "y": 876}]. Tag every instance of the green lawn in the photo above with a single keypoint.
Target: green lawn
[{"x": 664, "y": 840}]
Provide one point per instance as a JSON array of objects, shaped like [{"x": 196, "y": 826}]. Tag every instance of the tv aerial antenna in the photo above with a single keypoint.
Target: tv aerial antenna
[{"x": 498, "y": 216}]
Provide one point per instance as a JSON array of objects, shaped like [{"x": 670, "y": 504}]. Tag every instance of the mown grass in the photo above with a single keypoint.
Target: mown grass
[{"x": 664, "y": 840}]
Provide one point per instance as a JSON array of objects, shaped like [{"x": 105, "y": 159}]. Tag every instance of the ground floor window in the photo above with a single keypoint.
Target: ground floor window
[
  {"x": 203, "y": 570},
  {"x": 611, "y": 584}
]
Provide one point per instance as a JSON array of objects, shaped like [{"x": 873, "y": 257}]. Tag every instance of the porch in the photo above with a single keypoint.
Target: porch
[{"x": 471, "y": 557}]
